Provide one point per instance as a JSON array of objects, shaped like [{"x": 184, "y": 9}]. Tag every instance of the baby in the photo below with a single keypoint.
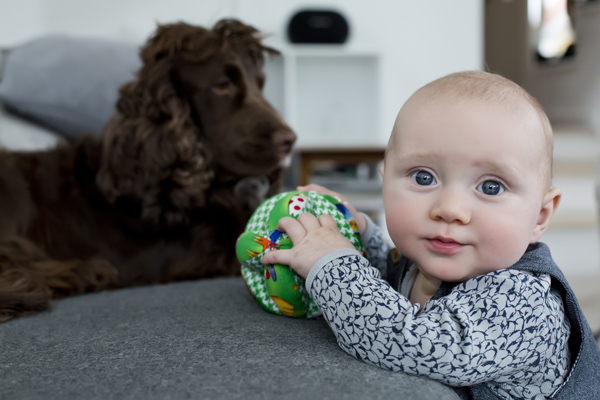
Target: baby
[{"x": 469, "y": 297}]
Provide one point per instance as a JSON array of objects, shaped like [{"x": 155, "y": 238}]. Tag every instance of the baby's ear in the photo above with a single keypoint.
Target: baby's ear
[
  {"x": 381, "y": 169},
  {"x": 549, "y": 206}
]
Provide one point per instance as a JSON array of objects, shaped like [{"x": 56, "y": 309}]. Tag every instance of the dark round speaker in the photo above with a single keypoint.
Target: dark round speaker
[{"x": 317, "y": 26}]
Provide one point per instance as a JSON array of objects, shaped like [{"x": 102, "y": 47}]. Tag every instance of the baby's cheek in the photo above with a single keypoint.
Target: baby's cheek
[
  {"x": 401, "y": 225},
  {"x": 503, "y": 242}
]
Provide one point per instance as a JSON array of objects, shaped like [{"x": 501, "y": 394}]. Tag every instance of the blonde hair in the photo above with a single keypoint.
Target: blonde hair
[{"x": 488, "y": 87}]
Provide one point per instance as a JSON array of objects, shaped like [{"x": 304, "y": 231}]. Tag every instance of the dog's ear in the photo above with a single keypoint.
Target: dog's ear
[
  {"x": 152, "y": 151},
  {"x": 161, "y": 169}
]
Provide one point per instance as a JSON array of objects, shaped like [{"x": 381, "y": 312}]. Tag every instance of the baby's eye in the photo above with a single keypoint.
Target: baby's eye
[
  {"x": 423, "y": 178},
  {"x": 491, "y": 188}
]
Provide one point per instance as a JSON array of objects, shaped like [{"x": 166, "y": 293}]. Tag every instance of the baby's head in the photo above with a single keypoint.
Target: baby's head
[
  {"x": 467, "y": 175},
  {"x": 497, "y": 91}
]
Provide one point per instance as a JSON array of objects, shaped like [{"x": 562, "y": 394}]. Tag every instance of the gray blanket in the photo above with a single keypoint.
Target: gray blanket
[{"x": 201, "y": 340}]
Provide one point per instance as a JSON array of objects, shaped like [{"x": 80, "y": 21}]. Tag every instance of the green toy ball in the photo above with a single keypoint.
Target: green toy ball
[{"x": 277, "y": 288}]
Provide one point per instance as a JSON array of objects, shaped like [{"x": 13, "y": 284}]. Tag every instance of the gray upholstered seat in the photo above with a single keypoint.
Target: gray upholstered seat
[{"x": 202, "y": 340}]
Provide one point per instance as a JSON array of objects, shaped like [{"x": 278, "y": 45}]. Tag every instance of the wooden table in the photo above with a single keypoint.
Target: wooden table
[{"x": 307, "y": 157}]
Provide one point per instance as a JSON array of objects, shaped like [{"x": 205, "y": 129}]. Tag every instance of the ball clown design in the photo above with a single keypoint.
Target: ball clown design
[{"x": 277, "y": 288}]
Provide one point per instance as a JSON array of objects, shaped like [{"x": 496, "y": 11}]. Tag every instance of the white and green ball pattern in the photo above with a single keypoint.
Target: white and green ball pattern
[{"x": 277, "y": 288}]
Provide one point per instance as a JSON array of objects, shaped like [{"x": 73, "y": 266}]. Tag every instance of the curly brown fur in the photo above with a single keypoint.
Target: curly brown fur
[{"x": 191, "y": 151}]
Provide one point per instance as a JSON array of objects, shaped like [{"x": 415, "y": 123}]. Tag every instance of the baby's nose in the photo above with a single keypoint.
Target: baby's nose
[{"x": 451, "y": 206}]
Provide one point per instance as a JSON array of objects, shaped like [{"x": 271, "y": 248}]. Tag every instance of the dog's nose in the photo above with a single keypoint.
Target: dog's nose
[{"x": 284, "y": 140}]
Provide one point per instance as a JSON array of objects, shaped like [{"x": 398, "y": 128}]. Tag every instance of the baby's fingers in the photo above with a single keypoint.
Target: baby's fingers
[
  {"x": 312, "y": 187},
  {"x": 360, "y": 221},
  {"x": 295, "y": 230},
  {"x": 327, "y": 221},
  {"x": 277, "y": 257}
]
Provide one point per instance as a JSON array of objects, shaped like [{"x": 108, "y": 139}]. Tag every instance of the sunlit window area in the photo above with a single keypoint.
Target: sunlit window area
[{"x": 552, "y": 34}]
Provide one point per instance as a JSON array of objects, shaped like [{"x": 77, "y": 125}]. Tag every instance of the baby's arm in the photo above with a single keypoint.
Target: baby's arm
[{"x": 497, "y": 325}]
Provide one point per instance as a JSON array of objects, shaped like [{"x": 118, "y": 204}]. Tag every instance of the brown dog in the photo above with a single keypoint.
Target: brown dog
[{"x": 163, "y": 195}]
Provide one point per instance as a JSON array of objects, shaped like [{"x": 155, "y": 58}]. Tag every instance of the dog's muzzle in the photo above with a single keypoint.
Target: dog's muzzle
[{"x": 284, "y": 141}]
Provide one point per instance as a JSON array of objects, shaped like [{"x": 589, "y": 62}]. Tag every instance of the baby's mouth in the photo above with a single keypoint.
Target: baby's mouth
[{"x": 444, "y": 245}]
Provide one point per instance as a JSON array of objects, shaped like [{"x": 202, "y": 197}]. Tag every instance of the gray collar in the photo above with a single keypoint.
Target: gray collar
[{"x": 252, "y": 186}]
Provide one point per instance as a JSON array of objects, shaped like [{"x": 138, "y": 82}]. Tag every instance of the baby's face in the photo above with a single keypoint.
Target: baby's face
[{"x": 462, "y": 187}]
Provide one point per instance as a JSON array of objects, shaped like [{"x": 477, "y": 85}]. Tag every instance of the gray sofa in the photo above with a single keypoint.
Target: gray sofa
[{"x": 201, "y": 340}]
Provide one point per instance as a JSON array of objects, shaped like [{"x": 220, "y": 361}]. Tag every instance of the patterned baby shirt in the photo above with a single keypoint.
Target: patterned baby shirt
[{"x": 506, "y": 329}]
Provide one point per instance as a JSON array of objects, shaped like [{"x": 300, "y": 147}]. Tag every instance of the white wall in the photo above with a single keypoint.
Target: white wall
[
  {"x": 125, "y": 20},
  {"x": 419, "y": 40}
]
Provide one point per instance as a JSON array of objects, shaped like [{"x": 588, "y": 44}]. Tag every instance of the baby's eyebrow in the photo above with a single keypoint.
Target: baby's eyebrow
[
  {"x": 420, "y": 157},
  {"x": 504, "y": 169}
]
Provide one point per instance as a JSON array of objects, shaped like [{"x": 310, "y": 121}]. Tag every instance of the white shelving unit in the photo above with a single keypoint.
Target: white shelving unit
[{"x": 329, "y": 94}]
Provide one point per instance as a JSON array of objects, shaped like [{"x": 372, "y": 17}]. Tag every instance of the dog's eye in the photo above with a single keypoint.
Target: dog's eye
[{"x": 223, "y": 87}]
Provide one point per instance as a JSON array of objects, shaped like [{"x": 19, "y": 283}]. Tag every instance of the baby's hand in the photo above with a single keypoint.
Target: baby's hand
[
  {"x": 312, "y": 238},
  {"x": 360, "y": 220}
]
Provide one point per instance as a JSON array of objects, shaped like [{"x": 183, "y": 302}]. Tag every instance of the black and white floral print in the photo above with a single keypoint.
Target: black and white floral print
[{"x": 506, "y": 328}]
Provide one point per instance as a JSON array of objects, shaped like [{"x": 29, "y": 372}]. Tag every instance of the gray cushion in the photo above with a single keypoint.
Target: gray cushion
[
  {"x": 21, "y": 134},
  {"x": 202, "y": 340},
  {"x": 69, "y": 84}
]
